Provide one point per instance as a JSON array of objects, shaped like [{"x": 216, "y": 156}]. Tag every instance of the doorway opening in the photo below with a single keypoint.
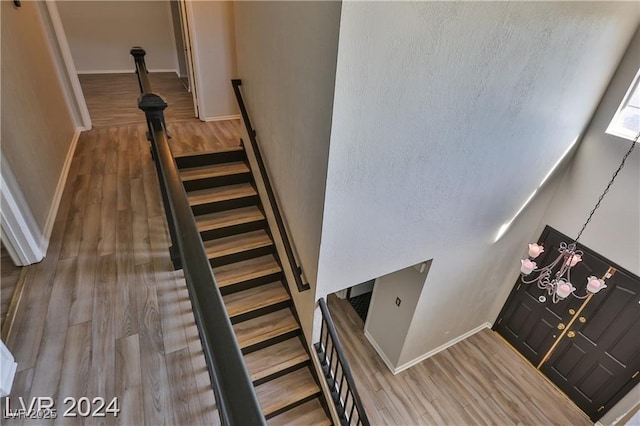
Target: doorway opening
[
  {"x": 359, "y": 296},
  {"x": 94, "y": 39}
]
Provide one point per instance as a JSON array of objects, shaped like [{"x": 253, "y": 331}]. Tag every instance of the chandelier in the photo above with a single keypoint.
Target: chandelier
[{"x": 559, "y": 285}]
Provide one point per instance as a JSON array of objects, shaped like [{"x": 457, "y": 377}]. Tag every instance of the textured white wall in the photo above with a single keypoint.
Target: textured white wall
[
  {"x": 446, "y": 117},
  {"x": 614, "y": 231},
  {"x": 213, "y": 44},
  {"x": 286, "y": 58},
  {"x": 101, "y": 33}
]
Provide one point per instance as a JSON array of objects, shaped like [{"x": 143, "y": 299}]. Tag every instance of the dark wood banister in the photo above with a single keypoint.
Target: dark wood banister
[
  {"x": 297, "y": 270},
  {"x": 235, "y": 395}
]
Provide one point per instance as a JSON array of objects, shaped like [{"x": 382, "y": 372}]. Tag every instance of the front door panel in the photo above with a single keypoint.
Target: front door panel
[{"x": 604, "y": 355}]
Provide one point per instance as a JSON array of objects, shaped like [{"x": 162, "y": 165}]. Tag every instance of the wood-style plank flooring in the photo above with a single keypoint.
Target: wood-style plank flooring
[
  {"x": 479, "y": 381},
  {"x": 9, "y": 277},
  {"x": 112, "y": 98},
  {"x": 104, "y": 314}
]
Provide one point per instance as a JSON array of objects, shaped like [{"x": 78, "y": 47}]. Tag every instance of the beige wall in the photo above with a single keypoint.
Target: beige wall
[
  {"x": 37, "y": 125},
  {"x": 286, "y": 59},
  {"x": 101, "y": 33},
  {"x": 387, "y": 323},
  {"x": 213, "y": 45}
]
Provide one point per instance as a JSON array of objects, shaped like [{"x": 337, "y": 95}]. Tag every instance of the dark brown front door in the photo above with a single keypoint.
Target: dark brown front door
[
  {"x": 595, "y": 359},
  {"x": 604, "y": 353}
]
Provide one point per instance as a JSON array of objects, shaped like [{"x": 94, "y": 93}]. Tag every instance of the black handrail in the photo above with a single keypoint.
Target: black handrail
[
  {"x": 234, "y": 392},
  {"x": 297, "y": 270},
  {"x": 337, "y": 373}
]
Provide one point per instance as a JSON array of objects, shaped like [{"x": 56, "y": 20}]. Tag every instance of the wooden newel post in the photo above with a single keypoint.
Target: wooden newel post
[
  {"x": 138, "y": 54},
  {"x": 153, "y": 107}
]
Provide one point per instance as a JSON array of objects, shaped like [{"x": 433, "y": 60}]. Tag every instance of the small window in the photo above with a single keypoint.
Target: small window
[{"x": 626, "y": 121}]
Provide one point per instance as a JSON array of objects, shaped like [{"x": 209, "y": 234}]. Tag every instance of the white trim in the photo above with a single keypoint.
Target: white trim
[
  {"x": 222, "y": 118},
  {"x": 614, "y": 128},
  {"x": 8, "y": 367},
  {"x": 70, "y": 67},
  {"x": 125, "y": 71},
  {"x": 401, "y": 368},
  {"x": 382, "y": 355},
  {"x": 442, "y": 347},
  {"x": 186, "y": 14},
  {"x": 20, "y": 232},
  {"x": 55, "y": 204}
]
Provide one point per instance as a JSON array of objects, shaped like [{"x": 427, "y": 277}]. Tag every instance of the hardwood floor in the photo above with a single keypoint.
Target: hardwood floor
[
  {"x": 11, "y": 289},
  {"x": 112, "y": 98},
  {"x": 478, "y": 381},
  {"x": 104, "y": 314}
]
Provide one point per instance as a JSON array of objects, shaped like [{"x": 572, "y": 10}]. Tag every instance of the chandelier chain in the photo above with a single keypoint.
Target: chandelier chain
[{"x": 615, "y": 174}]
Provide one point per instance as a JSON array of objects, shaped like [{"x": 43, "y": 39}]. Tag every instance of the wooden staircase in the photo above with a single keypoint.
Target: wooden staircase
[{"x": 240, "y": 248}]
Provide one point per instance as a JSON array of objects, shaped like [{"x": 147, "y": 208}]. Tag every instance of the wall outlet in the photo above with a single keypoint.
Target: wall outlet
[{"x": 398, "y": 301}]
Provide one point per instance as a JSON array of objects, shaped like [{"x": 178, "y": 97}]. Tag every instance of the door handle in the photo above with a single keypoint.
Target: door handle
[
  {"x": 571, "y": 334},
  {"x": 560, "y": 326}
]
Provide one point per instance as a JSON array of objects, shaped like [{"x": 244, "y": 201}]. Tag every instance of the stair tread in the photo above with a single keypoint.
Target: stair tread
[
  {"x": 255, "y": 298},
  {"x": 221, "y": 193},
  {"x": 265, "y": 327},
  {"x": 237, "y": 243},
  {"x": 223, "y": 219},
  {"x": 214, "y": 170},
  {"x": 309, "y": 414},
  {"x": 286, "y": 390},
  {"x": 245, "y": 270},
  {"x": 217, "y": 150},
  {"x": 274, "y": 358}
]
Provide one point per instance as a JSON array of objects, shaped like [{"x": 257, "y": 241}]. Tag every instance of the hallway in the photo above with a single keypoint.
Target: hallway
[
  {"x": 104, "y": 314},
  {"x": 112, "y": 98}
]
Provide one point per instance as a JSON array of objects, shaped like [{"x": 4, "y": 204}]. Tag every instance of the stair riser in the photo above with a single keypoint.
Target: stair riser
[
  {"x": 208, "y": 159},
  {"x": 291, "y": 406},
  {"x": 233, "y": 230},
  {"x": 245, "y": 285},
  {"x": 272, "y": 341},
  {"x": 224, "y": 205},
  {"x": 259, "y": 312},
  {"x": 281, "y": 373},
  {"x": 194, "y": 185},
  {"x": 244, "y": 255}
]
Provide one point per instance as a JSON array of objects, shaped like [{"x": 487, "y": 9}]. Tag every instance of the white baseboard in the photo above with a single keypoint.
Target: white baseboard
[
  {"x": 442, "y": 347},
  {"x": 396, "y": 370},
  {"x": 222, "y": 118},
  {"x": 123, "y": 71},
  {"x": 380, "y": 352},
  {"x": 53, "y": 211}
]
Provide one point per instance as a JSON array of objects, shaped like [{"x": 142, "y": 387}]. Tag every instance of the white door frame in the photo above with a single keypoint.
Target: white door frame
[
  {"x": 69, "y": 66},
  {"x": 20, "y": 233},
  {"x": 186, "y": 14}
]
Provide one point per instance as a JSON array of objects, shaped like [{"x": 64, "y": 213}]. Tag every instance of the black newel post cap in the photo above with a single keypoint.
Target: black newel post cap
[
  {"x": 150, "y": 102},
  {"x": 137, "y": 52}
]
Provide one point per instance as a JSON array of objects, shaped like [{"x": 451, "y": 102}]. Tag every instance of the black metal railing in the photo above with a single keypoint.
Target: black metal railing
[
  {"x": 297, "y": 270},
  {"x": 337, "y": 373},
  {"x": 235, "y": 396}
]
